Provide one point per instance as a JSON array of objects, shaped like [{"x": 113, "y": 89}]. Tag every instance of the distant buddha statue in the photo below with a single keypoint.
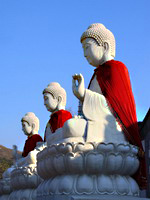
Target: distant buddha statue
[
  {"x": 109, "y": 97},
  {"x": 30, "y": 126},
  {"x": 55, "y": 102},
  {"x": 22, "y": 178}
]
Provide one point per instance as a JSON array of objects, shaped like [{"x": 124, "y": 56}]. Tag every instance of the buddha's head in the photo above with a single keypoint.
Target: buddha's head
[
  {"x": 98, "y": 44},
  {"x": 54, "y": 97},
  {"x": 30, "y": 124}
]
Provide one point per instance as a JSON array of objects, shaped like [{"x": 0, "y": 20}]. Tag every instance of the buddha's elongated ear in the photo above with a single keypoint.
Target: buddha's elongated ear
[
  {"x": 59, "y": 99},
  {"x": 33, "y": 126},
  {"x": 106, "y": 47}
]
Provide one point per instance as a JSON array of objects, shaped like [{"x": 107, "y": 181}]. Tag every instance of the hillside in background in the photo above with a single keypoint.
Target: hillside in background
[{"x": 6, "y": 159}]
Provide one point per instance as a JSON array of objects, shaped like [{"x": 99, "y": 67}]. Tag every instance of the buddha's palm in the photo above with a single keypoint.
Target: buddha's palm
[{"x": 78, "y": 86}]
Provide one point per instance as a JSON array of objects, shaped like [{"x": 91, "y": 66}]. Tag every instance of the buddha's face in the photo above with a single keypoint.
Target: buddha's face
[
  {"x": 27, "y": 128},
  {"x": 93, "y": 52},
  {"x": 50, "y": 102}
]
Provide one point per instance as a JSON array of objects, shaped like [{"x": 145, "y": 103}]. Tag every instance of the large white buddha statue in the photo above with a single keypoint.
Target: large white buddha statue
[
  {"x": 96, "y": 155},
  {"x": 108, "y": 103},
  {"x": 99, "y": 47}
]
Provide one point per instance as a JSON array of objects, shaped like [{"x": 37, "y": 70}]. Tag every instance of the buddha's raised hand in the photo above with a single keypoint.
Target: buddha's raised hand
[{"x": 78, "y": 86}]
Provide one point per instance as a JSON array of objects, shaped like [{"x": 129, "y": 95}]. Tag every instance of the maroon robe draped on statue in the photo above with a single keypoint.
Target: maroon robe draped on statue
[
  {"x": 30, "y": 144},
  {"x": 58, "y": 119},
  {"x": 114, "y": 81}
]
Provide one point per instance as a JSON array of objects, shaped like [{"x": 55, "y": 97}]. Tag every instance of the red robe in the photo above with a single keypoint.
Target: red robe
[
  {"x": 30, "y": 144},
  {"x": 57, "y": 120},
  {"x": 114, "y": 81}
]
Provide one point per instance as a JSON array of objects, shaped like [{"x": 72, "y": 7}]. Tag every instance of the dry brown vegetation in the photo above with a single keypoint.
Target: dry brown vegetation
[{"x": 6, "y": 159}]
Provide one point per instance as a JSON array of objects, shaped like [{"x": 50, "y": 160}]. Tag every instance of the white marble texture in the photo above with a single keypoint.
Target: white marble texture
[{"x": 87, "y": 169}]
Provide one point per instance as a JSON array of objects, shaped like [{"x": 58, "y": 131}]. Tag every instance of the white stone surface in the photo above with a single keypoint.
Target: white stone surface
[
  {"x": 24, "y": 179},
  {"x": 87, "y": 169},
  {"x": 5, "y": 184},
  {"x": 69, "y": 132},
  {"x": 91, "y": 197}
]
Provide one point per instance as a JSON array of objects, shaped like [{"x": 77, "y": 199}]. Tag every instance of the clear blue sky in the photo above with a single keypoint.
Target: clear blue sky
[{"x": 40, "y": 43}]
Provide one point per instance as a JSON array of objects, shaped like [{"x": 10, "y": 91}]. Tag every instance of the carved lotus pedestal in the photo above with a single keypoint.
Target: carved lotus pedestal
[
  {"x": 5, "y": 189},
  {"x": 24, "y": 181},
  {"x": 5, "y": 184},
  {"x": 89, "y": 171}
]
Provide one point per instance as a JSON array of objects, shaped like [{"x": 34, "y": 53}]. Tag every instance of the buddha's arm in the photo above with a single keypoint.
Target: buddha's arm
[
  {"x": 78, "y": 86},
  {"x": 29, "y": 159},
  {"x": 94, "y": 105},
  {"x": 80, "y": 92}
]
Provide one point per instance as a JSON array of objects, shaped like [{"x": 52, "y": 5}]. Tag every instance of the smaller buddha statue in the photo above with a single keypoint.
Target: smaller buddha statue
[
  {"x": 24, "y": 178},
  {"x": 55, "y": 102},
  {"x": 30, "y": 126},
  {"x": 21, "y": 179}
]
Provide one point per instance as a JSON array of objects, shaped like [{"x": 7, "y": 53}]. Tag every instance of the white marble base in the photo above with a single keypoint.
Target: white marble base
[
  {"x": 26, "y": 194},
  {"x": 90, "y": 197},
  {"x": 4, "y": 197}
]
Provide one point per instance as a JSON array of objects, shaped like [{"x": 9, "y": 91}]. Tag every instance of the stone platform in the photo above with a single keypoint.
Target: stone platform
[{"x": 91, "y": 197}]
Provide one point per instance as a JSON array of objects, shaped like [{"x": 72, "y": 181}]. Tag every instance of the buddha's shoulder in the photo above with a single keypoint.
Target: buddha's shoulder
[{"x": 36, "y": 137}]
